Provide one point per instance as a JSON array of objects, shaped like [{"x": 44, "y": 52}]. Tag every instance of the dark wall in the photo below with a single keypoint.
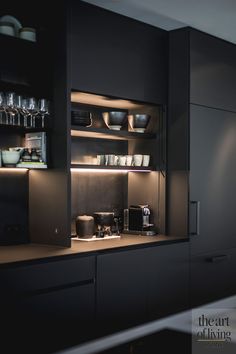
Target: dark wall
[
  {"x": 118, "y": 56},
  {"x": 92, "y": 192}
]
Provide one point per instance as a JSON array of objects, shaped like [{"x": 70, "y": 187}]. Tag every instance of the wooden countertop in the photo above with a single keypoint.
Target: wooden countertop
[{"x": 29, "y": 252}]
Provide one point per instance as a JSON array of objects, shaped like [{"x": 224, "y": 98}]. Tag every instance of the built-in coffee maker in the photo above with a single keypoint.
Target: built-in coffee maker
[{"x": 138, "y": 220}]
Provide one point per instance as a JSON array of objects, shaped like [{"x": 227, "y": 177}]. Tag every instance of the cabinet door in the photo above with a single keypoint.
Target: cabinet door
[
  {"x": 213, "y": 71},
  {"x": 121, "y": 289},
  {"x": 212, "y": 179},
  {"x": 168, "y": 279},
  {"x": 212, "y": 276},
  {"x": 55, "y": 319},
  {"x": 114, "y": 55}
]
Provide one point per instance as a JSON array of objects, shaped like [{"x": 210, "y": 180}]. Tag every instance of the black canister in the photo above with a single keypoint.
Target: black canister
[{"x": 85, "y": 226}]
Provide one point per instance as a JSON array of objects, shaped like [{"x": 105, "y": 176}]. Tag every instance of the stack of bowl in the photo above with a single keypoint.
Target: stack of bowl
[{"x": 81, "y": 118}]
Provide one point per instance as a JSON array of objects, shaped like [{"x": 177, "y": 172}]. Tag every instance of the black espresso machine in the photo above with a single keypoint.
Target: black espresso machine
[{"x": 139, "y": 220}]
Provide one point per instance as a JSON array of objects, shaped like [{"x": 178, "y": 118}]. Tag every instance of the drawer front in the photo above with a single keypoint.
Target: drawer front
[
  {"x": 212, "y": 276},
  {"x": 49, "y": 275},
  {"x": 53, "y": 320}
]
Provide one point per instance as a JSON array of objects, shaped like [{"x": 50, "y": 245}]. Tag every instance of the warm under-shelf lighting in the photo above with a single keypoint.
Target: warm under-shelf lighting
[
  {"x": 13, "y": 169},
  {"x": 97, "y": 100},
  {"x": 105, "y": 170}
]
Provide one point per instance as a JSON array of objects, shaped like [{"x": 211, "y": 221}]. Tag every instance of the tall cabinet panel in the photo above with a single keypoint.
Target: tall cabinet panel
[
  {"x": 213, "y": 71},
  {"x": 117, "y": 56},
  {"x": 201, "y": 157},
  {"x": 34, "y": 201},
  {"x": 212, "y": 178}
]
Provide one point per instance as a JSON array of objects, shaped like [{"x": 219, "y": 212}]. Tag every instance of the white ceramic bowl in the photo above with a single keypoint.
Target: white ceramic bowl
[{"x": 10, "y": 157}]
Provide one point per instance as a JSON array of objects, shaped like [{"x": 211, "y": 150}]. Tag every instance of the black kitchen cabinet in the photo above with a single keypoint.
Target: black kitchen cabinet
[
  {"x": 201, "y": 154},
  {"x": 121, "y": 289},
  {"x": 212, "y": 276},
  {"x": 117, "y": 56},
  {"x": 168, "y": 280},
  {"x": 135, "y": 286},
  {"x": 212, "y": 179},
  {"x": 212, "y": 71},
  {"x": 64, "y": 317},
  {"x": 206, "y": 71},
  {"x": 55, "y": 298},
  {"x": 39, "y": 213}
]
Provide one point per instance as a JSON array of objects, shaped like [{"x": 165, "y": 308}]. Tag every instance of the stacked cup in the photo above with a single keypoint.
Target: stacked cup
[{"x": 137, "y": 160}]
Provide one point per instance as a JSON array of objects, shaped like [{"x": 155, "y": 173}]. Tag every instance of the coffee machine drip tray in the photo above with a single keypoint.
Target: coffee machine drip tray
[{"x": 94, "y": 238}]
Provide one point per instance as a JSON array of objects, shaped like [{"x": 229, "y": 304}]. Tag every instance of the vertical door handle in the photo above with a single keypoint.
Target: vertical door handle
[{"x": 196, "y": 204}]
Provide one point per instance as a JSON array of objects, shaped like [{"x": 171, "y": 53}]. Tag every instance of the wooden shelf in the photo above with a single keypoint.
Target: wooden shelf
[
  {"x": 115, "y": 168},
  {"x": 102, "y": 133}
]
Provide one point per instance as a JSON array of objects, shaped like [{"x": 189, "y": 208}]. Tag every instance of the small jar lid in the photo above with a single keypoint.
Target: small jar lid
[
  {"x": 27, "y": 29},
  {"x": 85, "y": 217}
]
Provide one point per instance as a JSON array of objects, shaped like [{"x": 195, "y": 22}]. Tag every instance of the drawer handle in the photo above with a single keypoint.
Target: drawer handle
[
  {"x": 217, "y": 259},
  {"x": 196, "y": 203}
]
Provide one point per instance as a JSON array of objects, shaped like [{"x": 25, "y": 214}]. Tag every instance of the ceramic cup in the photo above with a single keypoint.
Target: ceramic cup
[
  {"x": 121, "y": 160},
  {"x": 146, "y": 160},
  {"x": 101, "y": 159},
  {"x": 116, "y": 160},
  {"x": 106, "y": 159},
  {"x": 138, "y": 160},
  {"x": 28, "y": 33},
  {"x": 7, "y": 28},
  {"x": 129, "y": 160},
  {"x": 111, "y": 160}
]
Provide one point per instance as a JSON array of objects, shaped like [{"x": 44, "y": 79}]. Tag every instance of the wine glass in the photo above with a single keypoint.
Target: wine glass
[
  {"x": 24, "y": 111},
  {"x": 32, "y": 108},
  {"x": 2, "y": 106},
  {"x": 18, "y": 106},
  {"x": 10, "y": 107},
  {"x": 43, "y": 109}
]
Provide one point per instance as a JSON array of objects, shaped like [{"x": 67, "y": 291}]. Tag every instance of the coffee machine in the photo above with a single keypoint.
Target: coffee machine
[{"x": 139, "y": 220}]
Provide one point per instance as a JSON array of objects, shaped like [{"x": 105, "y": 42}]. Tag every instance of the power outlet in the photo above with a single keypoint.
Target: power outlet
[{"x": 12, "y": 229}]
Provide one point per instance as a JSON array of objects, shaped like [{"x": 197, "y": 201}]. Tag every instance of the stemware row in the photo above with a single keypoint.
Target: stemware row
[{"x": 23, "y": 111}]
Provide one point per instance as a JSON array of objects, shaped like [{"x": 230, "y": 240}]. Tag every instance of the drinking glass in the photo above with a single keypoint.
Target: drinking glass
[
  {"x": 43, "y": 110},
  {"x": 32, "y": 108},
  {"x": 18, "y": 106},
  {"x": 24, "y": 111},
  {"x": 10, "y": 107},
  {"x": 2, "y": 106}
]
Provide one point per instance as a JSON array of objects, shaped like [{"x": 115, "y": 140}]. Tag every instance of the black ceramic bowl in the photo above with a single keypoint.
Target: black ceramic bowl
[
  {"x": 139, "y": 122},
  {"x": 81, "y": 118},
  {"x": 115, "y": 119}
]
